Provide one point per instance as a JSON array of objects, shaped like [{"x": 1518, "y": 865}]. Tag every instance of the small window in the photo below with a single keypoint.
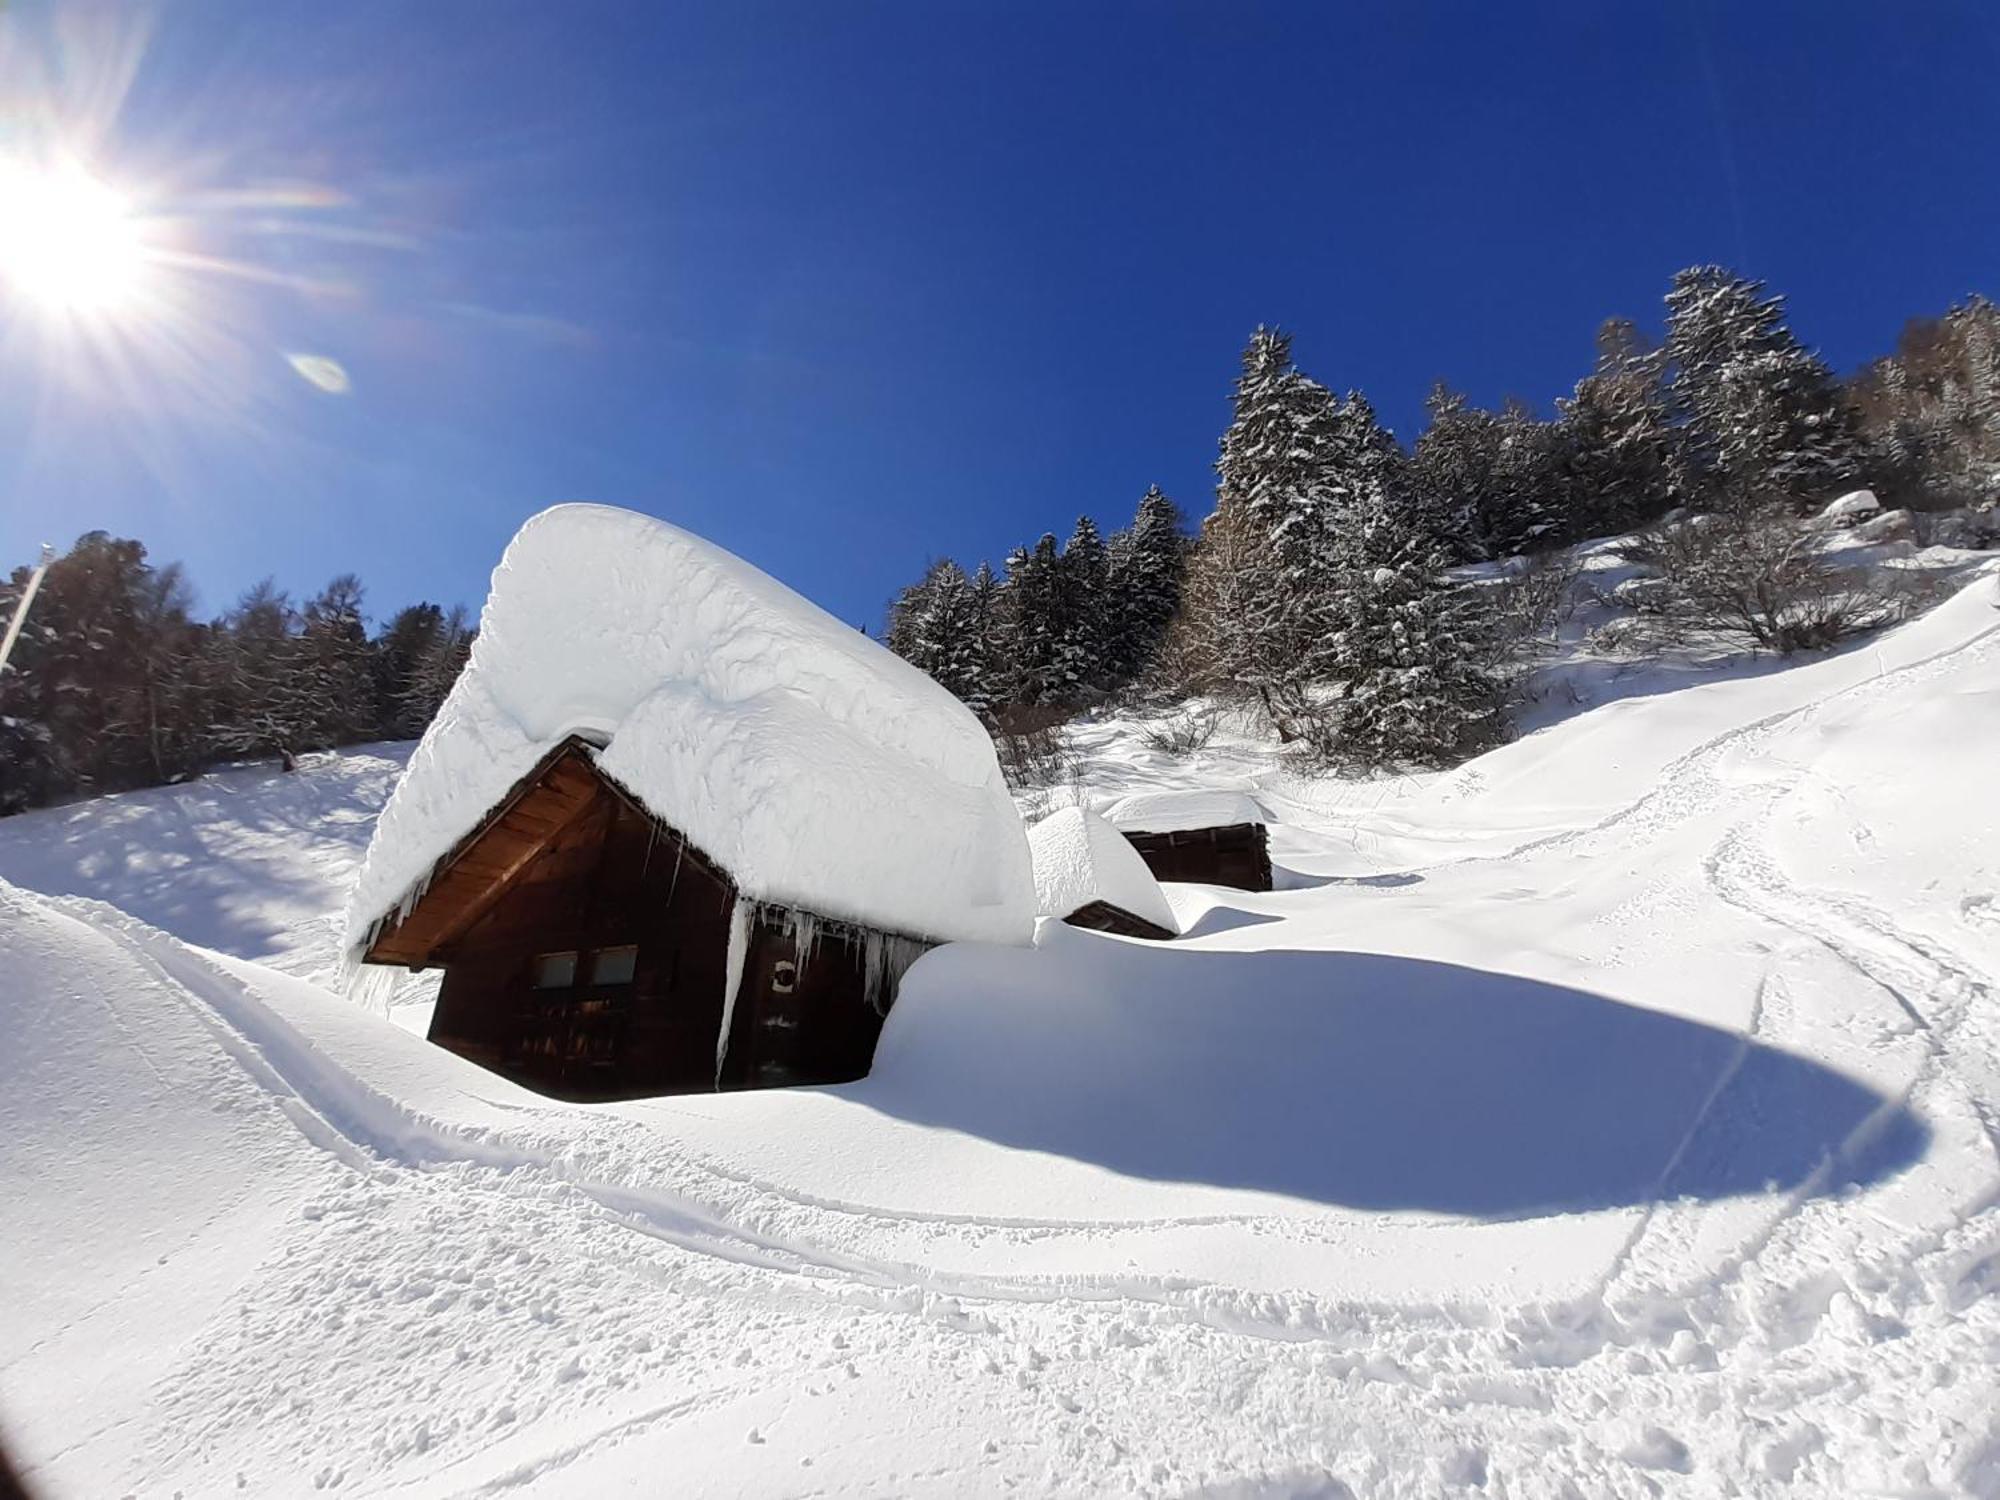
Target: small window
[
  {"x": 555, "y": 971},
  {"x": 784, "y": 977},
  {"x": 614, "y": 965}
]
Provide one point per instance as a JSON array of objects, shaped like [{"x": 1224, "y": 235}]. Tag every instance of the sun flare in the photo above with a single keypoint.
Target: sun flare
[{"x": 70, "y": 244}]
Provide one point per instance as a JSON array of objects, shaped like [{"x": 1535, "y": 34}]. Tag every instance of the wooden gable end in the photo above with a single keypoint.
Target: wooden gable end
[{"x": 554, "y": 800}]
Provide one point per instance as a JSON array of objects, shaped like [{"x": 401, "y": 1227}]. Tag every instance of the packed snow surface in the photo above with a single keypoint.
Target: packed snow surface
[
  {"x": 1181, "y": 811},
  {"x": 1614, "y": 1115},
  {"x": 1080, "y": 858},
  {"x": 818, "y": 768}
]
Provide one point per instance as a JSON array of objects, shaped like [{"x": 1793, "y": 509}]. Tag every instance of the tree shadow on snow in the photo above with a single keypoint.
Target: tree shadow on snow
[{"x": 1366, "y": 1081}]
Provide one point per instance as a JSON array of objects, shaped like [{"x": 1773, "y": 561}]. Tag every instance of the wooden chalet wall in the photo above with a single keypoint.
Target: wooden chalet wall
[
  {"x": 569, "y": 864},
  {"x": 1238, "y": 856}
]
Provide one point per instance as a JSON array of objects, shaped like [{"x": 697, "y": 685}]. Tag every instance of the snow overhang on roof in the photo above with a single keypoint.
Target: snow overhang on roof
[{"x": 809, "y": 762}]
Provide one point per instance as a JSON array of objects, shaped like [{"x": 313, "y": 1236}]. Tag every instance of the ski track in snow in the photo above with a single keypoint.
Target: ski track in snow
[{"x": 571, "y": 1304}]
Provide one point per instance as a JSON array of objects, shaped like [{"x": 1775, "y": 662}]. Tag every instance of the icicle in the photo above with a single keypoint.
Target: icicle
[
  {"x": 885, "y": 958},
  {"x": 732, "y": 976},
  {"x": 800, "y": 926}
]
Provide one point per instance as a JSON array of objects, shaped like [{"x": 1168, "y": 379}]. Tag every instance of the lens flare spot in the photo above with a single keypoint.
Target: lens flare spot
[{"x": 321, "y": 373}]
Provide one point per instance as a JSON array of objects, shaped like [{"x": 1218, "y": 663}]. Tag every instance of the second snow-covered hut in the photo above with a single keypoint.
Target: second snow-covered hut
[
  {"x": 1087, "y": 875},
  {"x": 677, "y": 828},
  {"x": 1210, "y": 837}
]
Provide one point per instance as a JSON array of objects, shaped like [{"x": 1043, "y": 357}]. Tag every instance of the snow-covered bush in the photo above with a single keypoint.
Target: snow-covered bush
[
  {"x": 1184, "y": 732},
  {"x": 1034, "y": 752},
  {"x": 1761, "y": 577}
]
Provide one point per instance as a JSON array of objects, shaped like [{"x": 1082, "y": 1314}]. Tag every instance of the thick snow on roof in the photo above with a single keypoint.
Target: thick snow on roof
[
  {"x": 815, "y": 766},
  {"x": 1175, "y": 812},
  {"x": 1080, "y": 858}
]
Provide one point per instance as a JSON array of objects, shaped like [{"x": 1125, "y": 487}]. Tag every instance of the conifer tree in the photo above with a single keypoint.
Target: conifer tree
[
  {"x": 1032, "y": 628},
  {"x": 1617, "y": 439},
  {"x": 1763, "y": 420},
  {"x": 1931, "y": 410},
  {"x": 983, "y": 613},
  {"x": 335, "y": 667},
  {"x": 1279, "y": 491},
  {"x": 943, "y": 637},
  {"x": 1449, "y": 472},
  {"x": 1145, "y": 570},
  {"x": 437, "y": 666},
  {"x": 1413, "y": 692},
  {"x": 1083, "y": 614},
  {"x": 402, "y": 643}
]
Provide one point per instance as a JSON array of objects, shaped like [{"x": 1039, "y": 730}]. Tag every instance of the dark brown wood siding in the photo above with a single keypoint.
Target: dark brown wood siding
[{"x": 1238, "y": 856}]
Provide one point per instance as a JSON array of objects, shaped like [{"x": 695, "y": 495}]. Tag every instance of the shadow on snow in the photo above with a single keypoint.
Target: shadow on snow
[{"x": 1365, "y": 1081}]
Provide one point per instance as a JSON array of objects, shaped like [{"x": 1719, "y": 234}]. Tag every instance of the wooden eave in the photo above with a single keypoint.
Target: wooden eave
[
  {"x": 477, "y": 870},
  {"x": 1102, "y": 916}
]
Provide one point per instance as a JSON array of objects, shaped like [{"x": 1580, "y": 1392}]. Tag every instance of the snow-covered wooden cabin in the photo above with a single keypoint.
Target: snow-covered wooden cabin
[
  {"x": 676, "y": 828},
  {"x": 1087, "y": 875},
  {"x": 1213, "y": 838}
]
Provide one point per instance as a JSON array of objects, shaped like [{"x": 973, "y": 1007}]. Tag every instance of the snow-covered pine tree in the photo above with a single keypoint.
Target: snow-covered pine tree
[
  {"x": 1146, "y": 566},
  {"x": 398, "y": 647},
  {"x": 1522, "y": 509},
  {"x": 1931, "y": 410},
  {"x": 899, "y": 632},
  {"x": 945, "y": 638},
  {"x": 1450, "y": 468},
  {"x": 983, "y": 611},
  {"x": 262, "y": 705},
  {"x": 1617, "y": 438},
  {"x": 1407, "y": 656},
  {"x": 1763, "y": 420},
  {"x": 1371, "y": 464},
  {"x": 437, "y": 667},
  {"x": 1280, "y": 490},
  {"x": 335, "y": 666},
  {"x": 1085, "y": 614},
  {"x": 1032, "y": 627}
]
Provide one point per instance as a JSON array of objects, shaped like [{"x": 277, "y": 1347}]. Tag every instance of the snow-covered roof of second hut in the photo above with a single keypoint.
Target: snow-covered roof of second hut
[
  {"x": 1080, "y": 858},
  {"x": 1176, "y": 812},
  {"x": 816, "y": 767}
]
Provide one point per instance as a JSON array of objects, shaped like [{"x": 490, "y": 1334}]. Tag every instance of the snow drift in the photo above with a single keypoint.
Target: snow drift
[{"x": 817, "y": 768}]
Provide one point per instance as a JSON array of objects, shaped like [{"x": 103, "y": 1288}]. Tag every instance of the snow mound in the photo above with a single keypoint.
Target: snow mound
[
  {"x": 1080, "y": 858},
  {"x": 1855, "y": 505},
  {"x": 819, "y": 769},
  {"x": 1176, "y": 812}
]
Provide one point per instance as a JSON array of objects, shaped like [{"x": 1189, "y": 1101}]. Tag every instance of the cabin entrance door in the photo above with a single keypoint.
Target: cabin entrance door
[{"x": 778, "y": 1034}]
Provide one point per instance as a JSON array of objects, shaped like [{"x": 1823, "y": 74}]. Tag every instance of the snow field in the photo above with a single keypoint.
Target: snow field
[{"x": 1612, "y": 1116}]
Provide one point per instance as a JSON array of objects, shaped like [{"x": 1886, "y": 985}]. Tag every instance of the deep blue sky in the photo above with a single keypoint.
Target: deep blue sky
[{"x": 848, "y": 286}]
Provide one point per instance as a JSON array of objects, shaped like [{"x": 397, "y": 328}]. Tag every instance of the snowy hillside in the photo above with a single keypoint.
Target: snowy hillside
[{"x": 1616, "y": 1115}]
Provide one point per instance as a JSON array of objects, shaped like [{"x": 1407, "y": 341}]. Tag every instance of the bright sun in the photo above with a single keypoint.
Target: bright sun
[{"x": 69, "y": 244}]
